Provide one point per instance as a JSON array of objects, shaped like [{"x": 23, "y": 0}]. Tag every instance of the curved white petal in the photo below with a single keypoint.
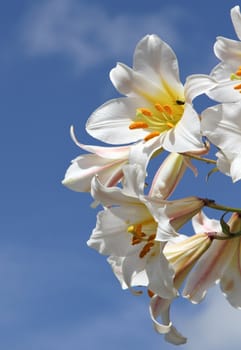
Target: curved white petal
[
  {"x": 228, "y": 50},
  {"x": 156, "y": 60},
  {"x": 110, "y": 122},
  {"x": 134, "y": 179},
  {"x": 113, "y": 153},
  {"x": 110, "y": 236},
  {"x": 80, "y": 173},
  {"x": 236, "y": 19},
  {"x": 116, "y": 265},
  {"x": 133, "y": 268},
  {"x": 186, "y": 136},
  {"x": 198, "y": 84},
  {"x": 222, "y": 126},
  {"x": 133, "y": 84},
  {"x": 231, "y": 280},
  {"x": 235, "y": 169},
  {"x": 111, "y": 195},
  {"x": 201, "y": 224},
  {"x": 160, "y": 307},
  {"x": 160, "y": 275}
]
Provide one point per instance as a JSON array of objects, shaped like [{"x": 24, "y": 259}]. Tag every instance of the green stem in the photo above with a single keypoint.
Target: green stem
[{"x": 211, "y": 204}]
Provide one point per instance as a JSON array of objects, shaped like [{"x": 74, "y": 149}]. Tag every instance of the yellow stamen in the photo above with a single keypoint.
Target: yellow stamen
[
  {"x": 151, "y": 135},
  {"x": 170, "y": 125},
  {"x": 238, "y": 73},
  {"x": 237, "y": 87},
  {"x": 146, "y": 112},
  {"x": 138, "y": 125}
]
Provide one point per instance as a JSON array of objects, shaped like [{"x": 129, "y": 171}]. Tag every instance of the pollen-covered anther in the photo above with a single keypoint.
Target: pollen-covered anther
[
  {"x": 238, "y": 72},
  {"x": 145, "y": 112},
  {"x": 147, "y": 247},
  {"x": 168, "y": 109},
  {"x": 150, "y": 293},
  {"x": 159, "y": 107},
  {"x": 138, "y": 125},
  {"x": 151, "y": 135},
  {"x": 237, "y": 87}
]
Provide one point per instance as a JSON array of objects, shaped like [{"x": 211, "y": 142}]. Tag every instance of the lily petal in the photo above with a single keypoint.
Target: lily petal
[{"x": 231, "y": 279}]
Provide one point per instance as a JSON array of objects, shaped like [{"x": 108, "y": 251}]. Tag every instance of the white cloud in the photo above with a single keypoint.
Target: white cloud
[{"x": 89, "y": 35}]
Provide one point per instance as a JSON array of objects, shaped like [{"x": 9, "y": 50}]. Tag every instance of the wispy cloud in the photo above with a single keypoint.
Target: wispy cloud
[{"x": 88, "y": 34}]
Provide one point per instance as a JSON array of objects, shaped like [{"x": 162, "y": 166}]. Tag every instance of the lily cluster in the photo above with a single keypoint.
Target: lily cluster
[{"x": 138, "y": 227}]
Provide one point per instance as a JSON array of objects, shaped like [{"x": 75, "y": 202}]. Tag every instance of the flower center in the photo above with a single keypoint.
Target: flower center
[
  {"x": 237, "y": 76},
  {"x": 158, "y": 119},
  {"x": 138, "y": 236}
]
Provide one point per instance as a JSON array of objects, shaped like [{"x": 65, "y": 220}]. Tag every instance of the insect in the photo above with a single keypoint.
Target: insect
[{"x": 180, "y": 102}]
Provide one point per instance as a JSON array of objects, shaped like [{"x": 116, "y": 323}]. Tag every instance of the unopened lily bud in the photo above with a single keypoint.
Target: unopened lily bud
[
  {"x": 183, "y": 210},
  {"x": 182, "y": 255},
  {"x": 168, "y": 176}
]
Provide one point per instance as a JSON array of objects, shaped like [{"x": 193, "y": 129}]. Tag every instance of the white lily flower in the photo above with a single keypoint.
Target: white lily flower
[
  {"x": 157, "y": 108},
  {"x": 221, "y": 124},
  {"x": 135, "y": 228},
  {"x": 220, "y": 263},
  {"x": 224, "y": 82},
  {"x": 107, "y": 162}
]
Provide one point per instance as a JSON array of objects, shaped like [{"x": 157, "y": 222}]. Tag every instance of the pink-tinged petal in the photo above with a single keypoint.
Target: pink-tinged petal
[
  {"x": 236, "y": 19},
  {"x": 168, "y": 176},
  {"x": 110, "y": 122},
  {"x": 114, "y": 153},
  {"x": 160, "y": 307},
  {"x": 231, "y": 279},
  {"x": 198, "y": 84},
  {"x": 209, "y": 269},
  {"x": 156, "y": 60},
  {"x": 186, "y": 136},
  {"x": 80, "y": 173},
  {"x": 202, "y": 224}
]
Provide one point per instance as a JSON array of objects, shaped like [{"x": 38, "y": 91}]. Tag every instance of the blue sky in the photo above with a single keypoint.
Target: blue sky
[{"x": 55, "y": 57}]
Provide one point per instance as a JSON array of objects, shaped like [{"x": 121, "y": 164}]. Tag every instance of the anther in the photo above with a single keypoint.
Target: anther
[
  {"x": 146, "y": 112},
  {"x": 237, "y": 87},
  {"x": 168, "y": 109},
  {"x": 150, "y": 293},
  {"x": 151, "y": 237},
  {"x": 151, "y": 135},
  {"x": 146, "y": 249},
  {"x": 138, "y": 125},
  {"x": 159, "y": 107}
]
